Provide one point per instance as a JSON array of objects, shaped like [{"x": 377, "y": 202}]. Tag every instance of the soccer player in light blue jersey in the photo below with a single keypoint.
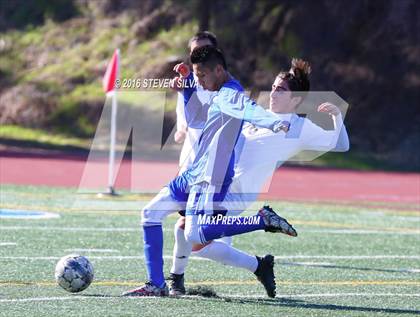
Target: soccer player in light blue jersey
[
  {"x": 188, "y": 132},
  {"x": 204, "y": 186}
]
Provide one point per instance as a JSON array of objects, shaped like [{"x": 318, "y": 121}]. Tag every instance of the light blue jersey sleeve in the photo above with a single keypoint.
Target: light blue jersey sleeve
[
  {"x": 236, "y": 104},
  {"x": 317, "y": 139}
]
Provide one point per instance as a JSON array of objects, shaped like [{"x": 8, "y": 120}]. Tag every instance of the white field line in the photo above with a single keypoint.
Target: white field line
[
  {"x": 279, "y": 257},
  {"x": 93, "y": 250},
  {"x": 40, "y": 215},
  {"x": 109, "y": 257},
  {"x": 2, "y": 244},
  {"x": 402, "y": 218},
  {"x": 328, "y": 264},
  {"x": 348, "y": 257},
  {"x": 359, "y": 231},
  {"x": 44, "y": 299},
  {"x": 136, "y": 229},
  {"x": 48, "y": 228},
  {"x": 76, "y": 297},
  {"x": 410, "y": 270},
  {"x": 327, "y": 295},
  {"x": 311, "y": 263}
]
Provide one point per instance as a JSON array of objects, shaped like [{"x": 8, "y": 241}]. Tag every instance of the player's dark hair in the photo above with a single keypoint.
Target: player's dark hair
[
  {"x": 297, "y": 77},
  {"x": 203, "y": 35},
  {"x": 209, "y": 56}
]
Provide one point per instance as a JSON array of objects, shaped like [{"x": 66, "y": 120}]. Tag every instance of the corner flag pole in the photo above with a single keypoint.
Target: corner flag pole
[
  {"x": 109, "y": 84},
  {"x": 111, "y": 176}
]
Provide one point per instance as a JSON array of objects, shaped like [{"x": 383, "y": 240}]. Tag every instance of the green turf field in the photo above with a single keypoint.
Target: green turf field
[{"x": 347, "y": 261}]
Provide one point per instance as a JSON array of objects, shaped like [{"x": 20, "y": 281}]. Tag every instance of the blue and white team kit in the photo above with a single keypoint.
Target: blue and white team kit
[
  {"x": 205, "y": 184},
  {"x": 226, "y": 147},
  {"x": 234, "y": 160}
]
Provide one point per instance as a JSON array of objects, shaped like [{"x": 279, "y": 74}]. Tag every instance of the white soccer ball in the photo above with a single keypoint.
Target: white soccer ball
[{"x": 74, "y": 273}]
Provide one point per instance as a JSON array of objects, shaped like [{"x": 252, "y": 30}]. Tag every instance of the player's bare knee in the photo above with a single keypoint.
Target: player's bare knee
[{"x": 198, "y": 247}]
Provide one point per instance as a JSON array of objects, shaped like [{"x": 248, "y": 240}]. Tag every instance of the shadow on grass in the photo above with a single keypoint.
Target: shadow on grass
[
  {"x": 278, "y": 302},
  {"x": 346, "y": 267},
  {"x": 293, "y": 303}
]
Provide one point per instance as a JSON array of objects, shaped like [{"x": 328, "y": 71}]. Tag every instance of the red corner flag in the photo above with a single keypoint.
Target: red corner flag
[{"x": 108, "y": 82}]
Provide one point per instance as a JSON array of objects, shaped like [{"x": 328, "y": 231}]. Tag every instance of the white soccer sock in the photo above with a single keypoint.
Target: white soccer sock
[
  {"x": 226, "y": 254},
  {"x": 227, "y": 240},
  {"x": 182, "y": 251}
]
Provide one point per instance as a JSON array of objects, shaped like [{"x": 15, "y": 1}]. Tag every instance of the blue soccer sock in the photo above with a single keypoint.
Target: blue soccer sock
[
  {"x": 216, "y": 231},
  {"x": 153, "y": 254}
]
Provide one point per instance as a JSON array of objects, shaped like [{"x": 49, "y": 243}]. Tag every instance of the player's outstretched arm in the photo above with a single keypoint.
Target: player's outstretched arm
[
  {"x": 317, "y": 139},
  {"x": 237, "y": 105},
  {"x": 340, "y": 138}
]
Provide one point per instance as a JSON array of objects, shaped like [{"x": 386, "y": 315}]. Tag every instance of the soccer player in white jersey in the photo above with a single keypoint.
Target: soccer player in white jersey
[
  {"x": 256, "y": 163},
  {"x": 204, "y": 186}
]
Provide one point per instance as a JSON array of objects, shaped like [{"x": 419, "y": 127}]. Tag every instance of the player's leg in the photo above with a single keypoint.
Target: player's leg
[
  {"x": 223, "y": 253},
  {"x": 182, "y": 248},
  {"x": 198, "y": 233},
  {"x": 262, "y": 267},
  {"x": 220, "y": 250},
  {"x": 152, "y": 216},
  {"x": 181, "y": 253}
]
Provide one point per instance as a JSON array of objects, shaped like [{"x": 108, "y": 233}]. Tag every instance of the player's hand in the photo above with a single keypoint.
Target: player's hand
[
  {"x": 180, "y": 136},
  {"x": 281, "y": 126},
  {"x": 329, "y": 108},
  {"x": 182, "y": 69}
]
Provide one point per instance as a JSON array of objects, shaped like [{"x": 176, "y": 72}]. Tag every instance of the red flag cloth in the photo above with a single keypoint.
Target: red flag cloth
[{"x": 108, "y": 82}]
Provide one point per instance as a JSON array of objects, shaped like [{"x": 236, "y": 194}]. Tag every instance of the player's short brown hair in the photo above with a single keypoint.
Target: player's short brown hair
[{"x": 297, "y": 77}]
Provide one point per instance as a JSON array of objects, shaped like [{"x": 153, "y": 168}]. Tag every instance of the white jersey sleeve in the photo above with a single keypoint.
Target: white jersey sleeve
[
  {"x": 317, "y": 139},
  {"x": 181, "y": 122}
]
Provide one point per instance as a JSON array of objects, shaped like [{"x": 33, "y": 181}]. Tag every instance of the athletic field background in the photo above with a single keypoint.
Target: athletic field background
[{"x": 346, "y": 261}]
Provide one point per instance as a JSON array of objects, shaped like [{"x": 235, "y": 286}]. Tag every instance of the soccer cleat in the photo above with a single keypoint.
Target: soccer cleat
[
  {"x": 275, "y": 223},
  {"x": 148, "y": 289},
  {"x": 176, "y": 285},
  {"x": 265, "y": 274}
]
